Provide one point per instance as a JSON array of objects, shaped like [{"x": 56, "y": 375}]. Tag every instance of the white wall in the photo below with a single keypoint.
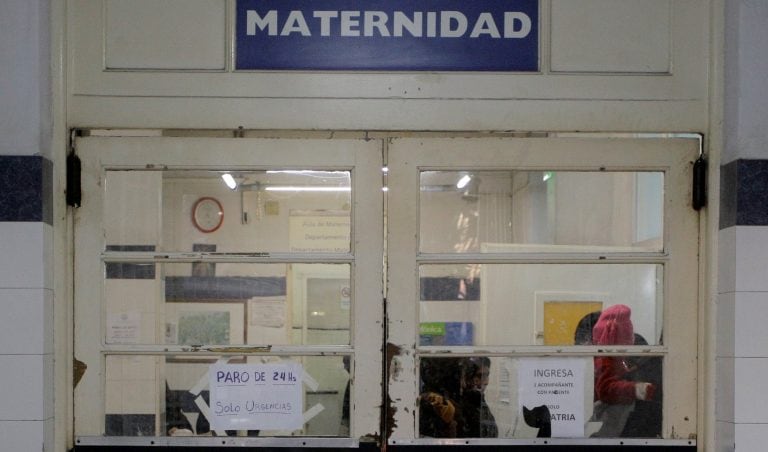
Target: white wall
[
  {"x": 742, "y": 304},
  {"x": 26, "y": 283},
  {"x": 617, "y": 77},
  {"x": 25, "y": 119},
  {"x": 746, "y": 75}
]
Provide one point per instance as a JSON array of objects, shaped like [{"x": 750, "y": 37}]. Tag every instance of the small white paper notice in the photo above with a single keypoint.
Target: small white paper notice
[
  {"x": 256, "y": 396},
  {"x": 557, "y": 383},
  {"x": 123, "y": 328}
]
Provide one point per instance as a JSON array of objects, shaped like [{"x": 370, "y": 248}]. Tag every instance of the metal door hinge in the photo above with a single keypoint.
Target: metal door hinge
[
  {"x": 699, "y": 189},
  {"x": 74, "y": 169}
]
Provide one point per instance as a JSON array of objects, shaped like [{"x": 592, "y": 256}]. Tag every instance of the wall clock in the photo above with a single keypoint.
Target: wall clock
[{"x": 207, "y": 214}]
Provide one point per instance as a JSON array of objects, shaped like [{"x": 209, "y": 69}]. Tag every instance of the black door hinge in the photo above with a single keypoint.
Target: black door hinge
[
  {"x": 74, "y": 169},
  {"x": 699, "y": 189}
]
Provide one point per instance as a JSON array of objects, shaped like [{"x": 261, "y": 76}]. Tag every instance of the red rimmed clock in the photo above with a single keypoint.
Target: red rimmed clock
[{"x": 207, "y": 214}]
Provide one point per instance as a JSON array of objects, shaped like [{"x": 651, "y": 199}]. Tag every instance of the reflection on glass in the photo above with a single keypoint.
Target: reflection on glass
[
  {"x": 532, "y": 304},
  {"x": 544, "y": 397},
  {"x": 266, "y": 211},
  {"x": 170, "y": 396},
  {"x": 227, "y": 303},
  {"x": 540, "y": 211}
]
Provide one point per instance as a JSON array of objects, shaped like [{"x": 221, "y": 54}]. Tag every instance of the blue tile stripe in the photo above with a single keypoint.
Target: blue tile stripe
[
  {"x": 744, "y": 193},
  {"x": 26, "y": 188}
]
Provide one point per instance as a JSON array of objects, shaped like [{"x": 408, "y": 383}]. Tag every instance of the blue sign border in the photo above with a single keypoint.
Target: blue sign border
[{"x": 300, "y": 45}]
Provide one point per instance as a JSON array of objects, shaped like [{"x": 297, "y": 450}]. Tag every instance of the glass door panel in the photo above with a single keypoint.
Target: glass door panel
[
  {"x": 522, "y": 398},
  {"x": 196, "y": 256},
  {"x": 525, "y": 249},
  {"x": 227, "y": 303},
  {"x": 507, "y": 304},
  {"x": 472, "y": 211},
  {"x": 230, "y": 210}
]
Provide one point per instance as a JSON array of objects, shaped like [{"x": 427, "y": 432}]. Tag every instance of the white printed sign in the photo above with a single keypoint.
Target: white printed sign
[
  {"x": 123, "y": 328},
  {"x": 557, "y": 383},
  {"x": 256, "y": 396}
]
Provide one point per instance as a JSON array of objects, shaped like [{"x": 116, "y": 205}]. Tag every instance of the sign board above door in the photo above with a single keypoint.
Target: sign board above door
[{"x": 387, "y": 35}]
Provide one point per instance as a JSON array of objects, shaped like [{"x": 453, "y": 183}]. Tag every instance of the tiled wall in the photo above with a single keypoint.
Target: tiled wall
[
  {"x": 742, "y": 354},
  {"x": 742, "y": 304},
  {"x": 26, "y": 304}
]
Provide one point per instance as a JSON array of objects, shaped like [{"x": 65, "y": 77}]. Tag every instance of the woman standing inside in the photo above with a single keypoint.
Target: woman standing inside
[{"x": 617, "y": 383}]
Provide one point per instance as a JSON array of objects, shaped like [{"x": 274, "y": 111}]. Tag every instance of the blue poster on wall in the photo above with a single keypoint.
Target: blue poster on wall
[
  {"x": 387, "y": 35},
  {"x": 446, "y": 333}
]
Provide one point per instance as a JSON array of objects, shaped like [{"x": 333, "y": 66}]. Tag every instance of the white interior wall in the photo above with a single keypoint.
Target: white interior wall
[
  {"x": 265, "y": 231},
  {"x": 511, "y": 293},
  {"x": 603, "y": 209},
  {"x": 598, "y": 210}
]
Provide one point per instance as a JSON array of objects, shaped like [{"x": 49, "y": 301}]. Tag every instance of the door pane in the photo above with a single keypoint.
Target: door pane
[
  {"x": 305, "y": 211},
  {"x": 173, "y": 261},
  {"x": 224, "y": 303},
  {"x": 540, "y": 211},
  {"x": 532, "y": 304},
  {"x": 571, "y": 397},
  {"x": 171, "y": 396}
]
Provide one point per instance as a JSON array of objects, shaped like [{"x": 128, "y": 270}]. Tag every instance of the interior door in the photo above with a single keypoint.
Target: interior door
[
  {"x": 483, "y": 233},
  {"x": 180, "y": 269}
]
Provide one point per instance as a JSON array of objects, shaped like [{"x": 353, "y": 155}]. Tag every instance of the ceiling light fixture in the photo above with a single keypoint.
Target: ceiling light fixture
[
  {"x": 305, "y": 188},
  {"x": 463, "y": 181},
  {"x": 229, "y": 180}
]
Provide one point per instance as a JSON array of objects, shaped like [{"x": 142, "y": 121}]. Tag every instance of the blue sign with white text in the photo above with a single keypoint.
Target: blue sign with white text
[{"x": 388, "y": 35}]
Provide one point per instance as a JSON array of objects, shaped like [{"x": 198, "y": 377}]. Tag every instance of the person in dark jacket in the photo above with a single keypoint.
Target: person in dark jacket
[
  {"x": 645, "y": 420},
  {"x": 478, "y": 421}
]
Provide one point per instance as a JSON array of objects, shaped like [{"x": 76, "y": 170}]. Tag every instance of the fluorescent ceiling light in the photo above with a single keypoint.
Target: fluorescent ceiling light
[
  {"x": 309, "y": 172},
  {"x": 304, "y": 188},
  {"x": 229, "y": 180},
  {"x": 463, "y": 181},
  {"x": 291, "y": 171}
]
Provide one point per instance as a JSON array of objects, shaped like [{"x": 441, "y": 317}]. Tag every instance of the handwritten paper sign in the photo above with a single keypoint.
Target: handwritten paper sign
[
  {"x": 256, "y": 396},
  {"x": 557, "y": 383}
]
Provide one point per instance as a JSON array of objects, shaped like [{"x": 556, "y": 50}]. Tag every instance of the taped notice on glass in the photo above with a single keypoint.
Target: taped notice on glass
[
  {"x": 558, "y": 385},
  {"x": 256, "y": 396}
]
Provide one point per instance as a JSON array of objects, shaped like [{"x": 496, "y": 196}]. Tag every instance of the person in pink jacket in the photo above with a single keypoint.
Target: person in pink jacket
[{"x": 616, "y": 384}]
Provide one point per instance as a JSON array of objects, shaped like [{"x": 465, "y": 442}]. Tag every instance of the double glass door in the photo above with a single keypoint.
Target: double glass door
[{"x": 398, "y": 290}]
